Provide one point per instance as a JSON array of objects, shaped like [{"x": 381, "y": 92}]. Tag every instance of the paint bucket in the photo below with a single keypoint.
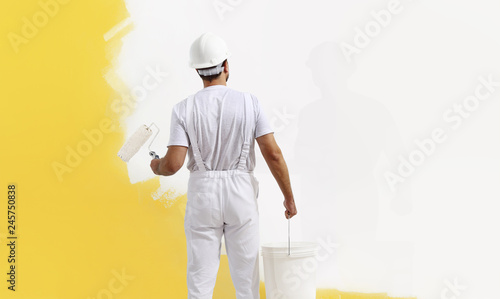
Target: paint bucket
[{"x": 290, "y": 277}]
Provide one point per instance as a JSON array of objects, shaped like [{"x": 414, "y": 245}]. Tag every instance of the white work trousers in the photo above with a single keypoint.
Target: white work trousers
[{"x": 221, "y": 202}]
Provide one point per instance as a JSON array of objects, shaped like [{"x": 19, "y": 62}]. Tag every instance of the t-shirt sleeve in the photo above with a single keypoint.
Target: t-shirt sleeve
[
  {"x": 262, "y": 125},
  {"x": 178, "y": 132}
]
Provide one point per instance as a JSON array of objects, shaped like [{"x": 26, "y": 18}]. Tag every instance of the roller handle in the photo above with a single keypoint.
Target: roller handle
[
  {"x": 154, "y": 155},
  {"x": 288, "y": 236}
]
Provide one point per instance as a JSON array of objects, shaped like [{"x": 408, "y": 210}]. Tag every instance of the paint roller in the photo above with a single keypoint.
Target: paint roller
[{"x": 136, "y": 141}]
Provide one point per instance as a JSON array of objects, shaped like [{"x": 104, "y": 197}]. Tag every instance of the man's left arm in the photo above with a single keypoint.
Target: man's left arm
[{"x": 171, "y": 163}]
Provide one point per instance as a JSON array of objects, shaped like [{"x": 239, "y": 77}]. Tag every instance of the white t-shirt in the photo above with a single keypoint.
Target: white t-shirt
[{"x": 219, "y": 120}]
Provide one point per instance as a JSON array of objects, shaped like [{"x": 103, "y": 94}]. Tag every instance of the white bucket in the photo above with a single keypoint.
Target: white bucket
[{"x": 290, "y": 277}]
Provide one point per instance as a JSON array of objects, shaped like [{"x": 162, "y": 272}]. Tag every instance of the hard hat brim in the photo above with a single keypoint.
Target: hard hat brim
[{"x": 209, "y": 64}]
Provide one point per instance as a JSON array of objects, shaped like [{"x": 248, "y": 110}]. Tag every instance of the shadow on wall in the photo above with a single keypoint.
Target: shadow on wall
[{"x": 341, "y": 137}]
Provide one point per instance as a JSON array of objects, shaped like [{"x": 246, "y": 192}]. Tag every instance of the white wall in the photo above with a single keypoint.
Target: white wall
[{"x": 345, "y": 121}]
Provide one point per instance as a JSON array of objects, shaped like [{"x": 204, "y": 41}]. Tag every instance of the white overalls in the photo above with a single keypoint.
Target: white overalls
[{"x": 222, "y": 202}]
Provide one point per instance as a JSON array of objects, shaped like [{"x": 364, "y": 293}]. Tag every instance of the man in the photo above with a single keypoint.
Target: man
[{"x": 217, "y": 126}]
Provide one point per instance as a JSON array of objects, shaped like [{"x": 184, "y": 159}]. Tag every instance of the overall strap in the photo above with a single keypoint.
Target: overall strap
[
  {"x": 190, "y": 119},
  {"x": 247, "y": 132}
]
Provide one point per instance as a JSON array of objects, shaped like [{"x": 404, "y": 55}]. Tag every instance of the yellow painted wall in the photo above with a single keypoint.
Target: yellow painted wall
[{"x": 80, "y": 223}]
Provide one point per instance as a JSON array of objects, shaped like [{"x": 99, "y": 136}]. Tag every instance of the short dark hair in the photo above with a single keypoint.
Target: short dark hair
[{"x": 212, "y": 77}]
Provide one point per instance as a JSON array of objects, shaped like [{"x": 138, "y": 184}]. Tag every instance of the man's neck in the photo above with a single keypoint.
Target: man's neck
[{"x": 214, "y": 82}]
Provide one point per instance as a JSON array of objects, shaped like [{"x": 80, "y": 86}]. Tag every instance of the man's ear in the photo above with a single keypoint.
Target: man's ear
[{"x": 226, "y": 67}]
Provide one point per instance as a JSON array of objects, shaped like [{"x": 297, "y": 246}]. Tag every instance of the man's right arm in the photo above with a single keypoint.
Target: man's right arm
[{"x": 274, "y": 159}]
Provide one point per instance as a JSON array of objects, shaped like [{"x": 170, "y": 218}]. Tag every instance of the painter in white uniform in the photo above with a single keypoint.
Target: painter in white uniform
[{"x": 218, "y": 127}]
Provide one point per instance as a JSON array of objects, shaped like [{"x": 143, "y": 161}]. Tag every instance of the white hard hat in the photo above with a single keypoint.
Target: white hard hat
[{"x": 208, "y": 50}]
